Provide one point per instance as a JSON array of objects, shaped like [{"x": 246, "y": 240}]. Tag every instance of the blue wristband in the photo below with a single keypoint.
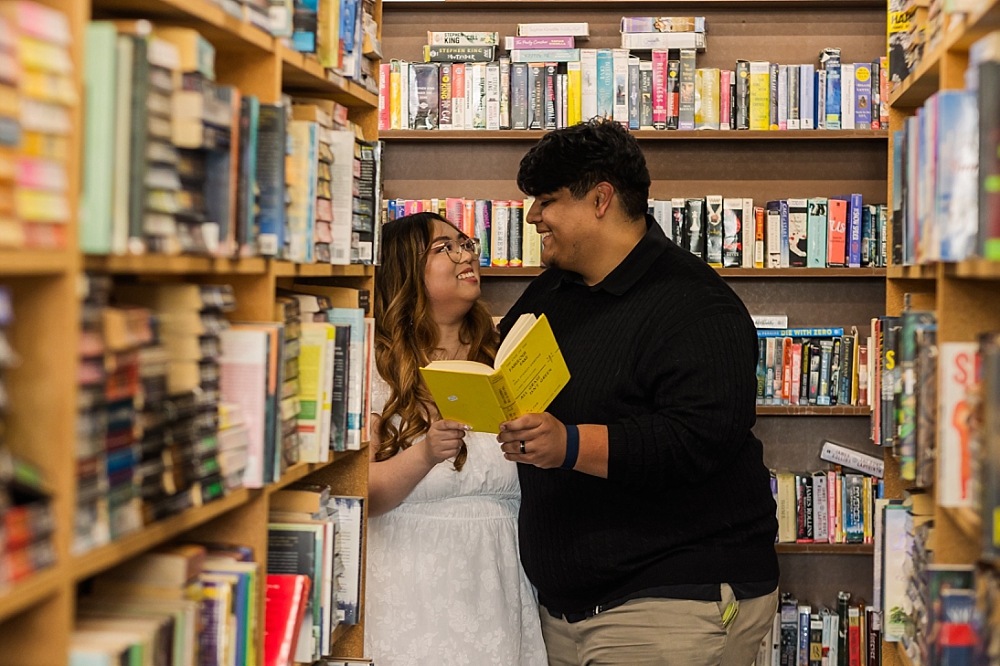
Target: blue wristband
[{"x": 572, "y": 447}]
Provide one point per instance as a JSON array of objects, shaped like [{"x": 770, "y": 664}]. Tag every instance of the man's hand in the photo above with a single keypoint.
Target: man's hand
[{"x": 544, "y": 438}]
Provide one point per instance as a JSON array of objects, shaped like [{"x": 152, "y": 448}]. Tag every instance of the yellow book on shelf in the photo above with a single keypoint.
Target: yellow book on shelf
[
  {"x": 529, "y": 373},
  {"x": 787, "y": 522},
  {"x": 699, "y": 97},
  {"x": 760, "y": 95},
  {"x": 574, "y": 112},
  {"x": 328, "y": 34}
]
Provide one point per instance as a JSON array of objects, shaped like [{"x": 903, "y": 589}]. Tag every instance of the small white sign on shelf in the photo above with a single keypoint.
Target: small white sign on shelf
[
  {"x": 841, "y": 455},
  {"x": 770, "y": 321}
]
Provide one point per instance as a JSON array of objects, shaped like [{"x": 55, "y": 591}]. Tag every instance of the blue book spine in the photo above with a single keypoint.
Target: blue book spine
[
  {"x": 803, "y": 634},
  {"x": 270, "y": 221},
  {"x": 355, "y": 318},
  {"x": 862, "y": 95},
  {"x": 867, "y": 230},
  {"x": 605, "y": 84},
  {"x": 633, "y": 94},
  {"x": 800, "y": 332},
  {"x": 816, "y": 227},
  {"x": 854, "y": 213},
  {"x": 956, "y": 112},
  {"x": 833, "y": 94},
  {"x": 120, "y": 459},
  {"x": 784, "y": 233}
]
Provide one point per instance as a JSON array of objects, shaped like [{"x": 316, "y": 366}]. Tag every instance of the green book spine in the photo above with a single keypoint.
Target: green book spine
[
  {"x": 138, "y": 138},
  {"x": 98, "y": 157}
]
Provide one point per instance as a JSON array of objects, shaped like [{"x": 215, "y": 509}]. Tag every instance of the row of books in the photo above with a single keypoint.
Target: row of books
[
  {"x": 812, "y": 366},
  {"x": 183, "y": 604},
  {"x": 176, "y": 163},
  {"x": 148, "y": 432},
  {"x": 930, "y": 609},
  {"x": 343, "y": 34},
  {"x": 918, "y": 28},
  {"x": 787, "y": 233},
  {"x": 944, "y": 163},
  {"x": 38, "y": 99},
  {"x": 555, "y": 88},
  {"x": 318, "y": 535},
  {"x": 26, "y": 519},
  {"x": 825, "y": 507},
  {"x": 849, "y": 634}
]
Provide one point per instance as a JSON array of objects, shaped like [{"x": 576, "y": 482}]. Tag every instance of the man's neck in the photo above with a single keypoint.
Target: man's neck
[{"x": 612, "y": 250}]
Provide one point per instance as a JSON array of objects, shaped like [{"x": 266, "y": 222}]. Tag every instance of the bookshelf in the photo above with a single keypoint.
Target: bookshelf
[
  {"x": 964, "y": 294},
  {"x": 762, "y": 165},
  {"x": 37, "y": 614}
]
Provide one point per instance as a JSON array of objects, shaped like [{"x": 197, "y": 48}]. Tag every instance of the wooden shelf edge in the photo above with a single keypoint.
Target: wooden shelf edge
[
  {"x": 106, "y": 556},
  {"x": 158, "y": 264},
  {"x": 966, "y": 520},
  {"x": 295, "y": 473},
  {"x": 918, "y": 272},
  {"x": 500, "y": 5},
  {"x": 496, "y": 271},
  {"x": 825, "y": 548},
  {"x": 974, "y": 269},
  {"x": 24, "y": 594},
  {"x": 288, "y": 269},
  {"x": 313, "y": 79},
  {"x": 35, "y": 262},
  {"x": 642, "y": 135},
  {"x": 813, "y": 410}
]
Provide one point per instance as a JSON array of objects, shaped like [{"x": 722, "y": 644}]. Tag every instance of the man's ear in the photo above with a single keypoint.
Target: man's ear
[{"x": 604, "y": 192}]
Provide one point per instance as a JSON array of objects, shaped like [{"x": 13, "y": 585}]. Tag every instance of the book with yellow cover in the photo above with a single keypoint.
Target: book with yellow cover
[{"x": 529, "y": 373}]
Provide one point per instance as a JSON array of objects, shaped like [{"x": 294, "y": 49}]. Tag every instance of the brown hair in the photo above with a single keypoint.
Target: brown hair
[{"x": 405, "y": 333}]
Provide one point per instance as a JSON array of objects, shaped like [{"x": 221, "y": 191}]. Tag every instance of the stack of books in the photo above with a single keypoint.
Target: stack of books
[
  {"x": 825, "y": 507},
  {"x": 184, "y": 604},
  {"x": 813, "y": 366},
  {"x": 342, "y": 34},
  {"x": 546, "y": 82},
  {"x": 39, "y": 38},
  {"x": 26, "y": 519},
  {"x": 201, "y": 169},
  {"x": 316, "y": 534}
]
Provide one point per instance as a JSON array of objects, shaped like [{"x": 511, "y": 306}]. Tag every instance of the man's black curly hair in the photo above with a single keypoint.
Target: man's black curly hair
[{"x": 580, "y": 157}]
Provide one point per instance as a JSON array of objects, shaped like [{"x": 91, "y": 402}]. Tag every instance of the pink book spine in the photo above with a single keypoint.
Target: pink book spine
[
  {"x": 384, "y": 122},
  {"x": 414, "y": 206},
  {"x": 41, "y": 174},
  {"x": 453, "y": 208},
  {"x": 660, "y": 89},
  {"x": 518, "y": 43},
  {"x": 833, "y": 508},
  {"x": 796, "y": 373},
  {"x": 725, "y": 101}
]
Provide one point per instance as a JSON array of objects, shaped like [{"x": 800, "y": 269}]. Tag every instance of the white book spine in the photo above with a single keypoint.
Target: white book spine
[
  {"x": 773, "y": 233},
  {"x": 807, "y": 97},
  {"x": 458, "y": 97},
  {"x": 663, "y": 214},
  {"x": 819, "y": 508},
  {"x": 619, "y": 59},
  {"x": 553, "y": 30},
  {"x": 588, "y": 87},
  {"x": 956, "y": 365},
  {"x": 498, "y": 244},
  {"x": 749, "y": 233},
  {"x": 404, "y": 94},
  {"x": 821, "y": 99},
  {"x": 782, "y": 97},
  {"x": 847, "y": 96},
  {"x": 492, "y": 98}
]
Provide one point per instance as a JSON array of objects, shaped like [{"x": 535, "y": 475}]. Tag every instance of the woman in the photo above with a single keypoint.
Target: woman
[{"x": 445, "y": 584}]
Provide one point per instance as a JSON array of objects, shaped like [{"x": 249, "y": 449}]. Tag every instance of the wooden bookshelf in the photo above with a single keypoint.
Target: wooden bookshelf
[
  {"x": 793, "y": 273},
  {"x": 764, "y": 165},
  {"x": 918, "y": 272},
  {"x": 642, "y": 135},
  {"x": 37, "y": 613}
]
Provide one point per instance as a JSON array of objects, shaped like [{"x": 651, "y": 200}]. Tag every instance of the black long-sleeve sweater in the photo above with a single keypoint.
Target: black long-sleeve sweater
[{"x": 664, "y": 354}]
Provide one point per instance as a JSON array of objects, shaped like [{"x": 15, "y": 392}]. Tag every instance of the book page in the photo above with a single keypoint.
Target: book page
[{"x": 535, "y": 370}]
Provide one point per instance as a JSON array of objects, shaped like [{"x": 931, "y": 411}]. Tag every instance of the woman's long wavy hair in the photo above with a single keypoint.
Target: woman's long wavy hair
[{"x": 406, "y": 335}]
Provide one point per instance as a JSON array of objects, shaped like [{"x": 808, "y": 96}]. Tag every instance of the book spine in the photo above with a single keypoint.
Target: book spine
[
  {"x": 469, "y": 54},
  {"x": 605, "y": 84},
  {"x": 492, "y": 96},
  {"x": 794, "y": 95},
  {"x": 531, "y": 43},
  {"x": 519, "y": 96},
  {"x": 458, "y": 74},
  {"x": 854, "y": 229},
  {"x": 830, "y": 61},
  {"x": 862, "y": 95},
  {"x": 714, "y": 231},
  {"x": 536, "y": 96},
  {"x": 782, "y": 97},
  {"x": 807, "y": 105},
  {"x": 742, "y": 100},
  {"x": 687, "y": 90},
  {"x": 574, "y": 101},
  {"x": 385, "y": 97},
  {"x": 773, "y": 70},
  {"x": 505, "y": 93},
  {"x": 549, "y": 72},
  {"x": 673, "y": 98},
  {"x": 548, "y": 55},
  {"x": 588, "y": 85},
  {"x": 725, "y": 100},
  {"x": 759, "y": 96},
  {"x": 820, "y": 112},
  {"x": 646, "y": 95},
  {"x": 634, "y": 106},
  {"x": 619, "y": 65}
]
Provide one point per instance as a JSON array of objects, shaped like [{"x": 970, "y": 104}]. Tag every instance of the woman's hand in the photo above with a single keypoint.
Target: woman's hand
[{"x": 443, "y": 441}]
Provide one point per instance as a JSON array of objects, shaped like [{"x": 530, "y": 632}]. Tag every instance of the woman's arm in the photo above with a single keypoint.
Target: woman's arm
[{"x": 391, "y": 481}]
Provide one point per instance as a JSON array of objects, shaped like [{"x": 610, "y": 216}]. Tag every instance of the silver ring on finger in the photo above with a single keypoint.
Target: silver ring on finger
[{"x": 522, "y": 447}]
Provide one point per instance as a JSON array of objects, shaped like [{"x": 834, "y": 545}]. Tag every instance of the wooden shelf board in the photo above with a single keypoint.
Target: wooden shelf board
[
  {"x": 108, "y": 555},
  {"x": 295, "y": 473},
  {"x": 159, "y": 264},
  {"x": 919, "y": 272},
  {"x": 794, "y": 273},
  {"x": 35, "y": 262},
  {"x": 288, "y": 269},
  {"x": 223, "y": 30},
  {"x": 30, "y": 591},
  {"x": 825, "y": 548},
  {"x": 974, "y": 269},
  {"x": 642, "y": 135},
  {"x": 967, "y": 521},
  {"x": 302, "y": 73},
  {"x": 812, "y": 410}
]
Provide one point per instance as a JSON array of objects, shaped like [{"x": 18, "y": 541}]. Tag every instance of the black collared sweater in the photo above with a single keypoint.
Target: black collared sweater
[{"x": 663, "y": 353}]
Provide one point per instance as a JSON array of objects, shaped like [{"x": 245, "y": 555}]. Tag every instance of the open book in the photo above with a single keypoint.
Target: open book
[{"x": 529, "y": 372}]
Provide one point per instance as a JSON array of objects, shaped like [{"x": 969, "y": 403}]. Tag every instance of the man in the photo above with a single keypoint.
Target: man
[{"x": 647, "y": 522}]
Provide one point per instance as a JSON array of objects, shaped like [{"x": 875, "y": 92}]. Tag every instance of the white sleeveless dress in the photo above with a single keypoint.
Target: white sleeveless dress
[{"x": 445, "y": 584}]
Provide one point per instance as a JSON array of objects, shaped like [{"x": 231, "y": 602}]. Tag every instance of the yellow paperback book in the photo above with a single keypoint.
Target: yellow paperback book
[{"x": 529, "y": 373}]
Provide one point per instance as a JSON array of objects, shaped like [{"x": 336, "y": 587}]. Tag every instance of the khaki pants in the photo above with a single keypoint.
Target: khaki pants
[{"x": 662, "y": 632}]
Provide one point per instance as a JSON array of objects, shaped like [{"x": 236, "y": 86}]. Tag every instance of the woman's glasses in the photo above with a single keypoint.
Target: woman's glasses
[{"x": 455, "y": 248}]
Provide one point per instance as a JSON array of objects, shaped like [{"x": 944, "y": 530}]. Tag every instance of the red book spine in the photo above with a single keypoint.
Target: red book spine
[
  {"x": 660, "y": 89},
  {"x": 383, "y": 98},
  {"x": 796, "y": 373},
  {"x": 725, "y": 100},
  {"x": 786, "y": 370}
]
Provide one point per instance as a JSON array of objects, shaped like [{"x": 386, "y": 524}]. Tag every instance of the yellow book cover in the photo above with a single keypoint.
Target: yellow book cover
[
  {"x": 699, "y": 98},
  {"x": 530, "y": 238},
  {"x": 394, "y": 107},
  {"x": 574, "y": 112},
  {"x": 316, "y": 344},
  {"x": 529, "y": 373},
  {"x": 328, "y": 34},
  {"x": 760, "y": 95},
  {"x": 787, "y": 522}
]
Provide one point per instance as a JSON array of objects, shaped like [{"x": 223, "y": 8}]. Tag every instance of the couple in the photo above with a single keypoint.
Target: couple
[{"x": 643, "y": 509}]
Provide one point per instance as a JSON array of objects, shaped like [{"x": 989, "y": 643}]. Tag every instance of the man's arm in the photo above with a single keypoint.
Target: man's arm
[{"x": 704, "y": 391}]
